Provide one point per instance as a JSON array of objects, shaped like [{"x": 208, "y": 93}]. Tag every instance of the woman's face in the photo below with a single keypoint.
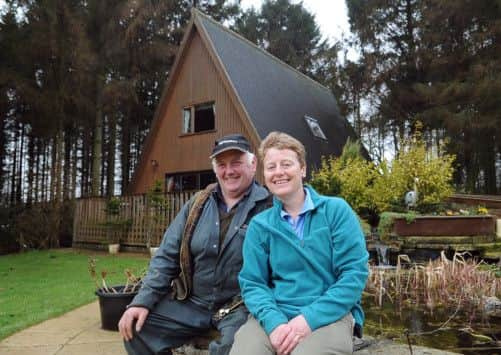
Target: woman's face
[{"x": 283, "y": 174}]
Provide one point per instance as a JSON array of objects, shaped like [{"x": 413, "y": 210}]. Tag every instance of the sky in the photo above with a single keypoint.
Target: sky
[{"x": 331, "y": 15}]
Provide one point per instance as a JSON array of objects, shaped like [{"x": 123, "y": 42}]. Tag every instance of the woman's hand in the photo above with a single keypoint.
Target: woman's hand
[
  {"x": 300, "y": 326},
  {"x": 286, "y": 337},
  {"x": 280, "y": 338}
]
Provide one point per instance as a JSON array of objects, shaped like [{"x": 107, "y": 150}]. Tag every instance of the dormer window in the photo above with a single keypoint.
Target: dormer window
[
  {"x": 315, "y": 128},
  {"x": 199, "y": 118}
]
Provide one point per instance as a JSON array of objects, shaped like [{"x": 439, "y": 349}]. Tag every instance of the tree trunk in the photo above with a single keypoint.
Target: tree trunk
[
  {"x": 36, "y": 177},
  {"x": 3, "y": 145},
  {"x": 19, "y": 182},
  {"x": 471, "y": 167},
  {"x": 13, "y": 185},
  {"x": 53, "y": 157},
  {"x": 45, "y": 172},
  {"x": 31, "y": 170},
  {"x": 74, "y": 161},
  {"x": 97, "y": 146},
  {"x": 58, "y": 165},
  {"x": 125, "y": 157},
  {"x": 112, "y": 134},
  {"x": 67, "y": 164},
  {"x": 488, "y": 153},
  {"x": 104, "y": 156},
  {"x": 57, "y": 190},
  {"x": 85, "y": 162}
]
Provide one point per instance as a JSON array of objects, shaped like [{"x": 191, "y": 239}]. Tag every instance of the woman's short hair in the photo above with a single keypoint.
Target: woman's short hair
[{"x": 280, "y": 140}]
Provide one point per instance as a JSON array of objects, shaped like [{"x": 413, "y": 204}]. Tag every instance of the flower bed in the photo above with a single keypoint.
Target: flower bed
[{"x": 445, "y": 226}]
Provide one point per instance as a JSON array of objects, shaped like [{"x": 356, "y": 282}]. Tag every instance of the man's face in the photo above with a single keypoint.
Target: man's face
[{"x": 234, "y": 173}]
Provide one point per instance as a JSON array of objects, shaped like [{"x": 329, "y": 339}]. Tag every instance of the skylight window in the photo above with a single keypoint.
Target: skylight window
[{"x": 315, "y": 128}]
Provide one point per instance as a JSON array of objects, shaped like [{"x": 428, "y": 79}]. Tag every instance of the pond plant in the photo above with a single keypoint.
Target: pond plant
[{"x": 460, "y": 281}]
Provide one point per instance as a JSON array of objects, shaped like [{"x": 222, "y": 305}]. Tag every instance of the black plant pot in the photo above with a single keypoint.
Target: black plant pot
[{"x": 112, "y": 306}]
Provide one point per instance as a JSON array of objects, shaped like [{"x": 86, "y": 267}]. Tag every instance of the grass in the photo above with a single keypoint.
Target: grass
[{"x": 39, "y": 285}]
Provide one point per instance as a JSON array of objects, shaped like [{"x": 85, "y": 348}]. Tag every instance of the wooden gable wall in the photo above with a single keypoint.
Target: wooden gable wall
[{"x": 197, "y": 80}]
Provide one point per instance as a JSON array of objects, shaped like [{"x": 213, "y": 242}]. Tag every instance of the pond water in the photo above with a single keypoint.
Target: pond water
[{"x": 471, "y": 333}]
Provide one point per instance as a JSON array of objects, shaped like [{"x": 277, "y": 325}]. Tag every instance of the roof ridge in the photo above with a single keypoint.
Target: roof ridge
[{"x": 197, "y": 12}]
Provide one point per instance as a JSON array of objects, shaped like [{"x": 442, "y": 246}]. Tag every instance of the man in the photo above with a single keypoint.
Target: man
[{"x": 212, "y": 244}]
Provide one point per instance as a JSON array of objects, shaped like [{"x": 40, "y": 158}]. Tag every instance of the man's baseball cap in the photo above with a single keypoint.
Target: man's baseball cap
[{"x": 230, "y": 142}]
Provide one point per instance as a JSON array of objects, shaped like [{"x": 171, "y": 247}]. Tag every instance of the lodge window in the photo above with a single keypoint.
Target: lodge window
[
  {"x": 315, "y": 128},
  {"x": 199, "y": 118},
  {"x": 197, "y": 180}
]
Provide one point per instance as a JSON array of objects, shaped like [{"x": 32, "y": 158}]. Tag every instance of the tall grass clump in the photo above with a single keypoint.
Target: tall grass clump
[{"x": 463, "y": 283}]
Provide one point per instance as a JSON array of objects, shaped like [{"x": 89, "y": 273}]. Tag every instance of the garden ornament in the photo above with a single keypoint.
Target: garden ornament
[{"x": 411, "y": 199}]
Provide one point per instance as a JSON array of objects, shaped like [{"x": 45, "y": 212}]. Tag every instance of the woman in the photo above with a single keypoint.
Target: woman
[{"x": 305, "y": 264}]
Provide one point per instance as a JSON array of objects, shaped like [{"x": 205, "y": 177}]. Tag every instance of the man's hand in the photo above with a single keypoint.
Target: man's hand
[{"x": 128, "y": 318}]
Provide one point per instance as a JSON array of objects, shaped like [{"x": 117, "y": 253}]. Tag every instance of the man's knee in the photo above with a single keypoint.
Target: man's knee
[
  {"x": 136, "y": 346},
  {"x": 154, "y": 338}
]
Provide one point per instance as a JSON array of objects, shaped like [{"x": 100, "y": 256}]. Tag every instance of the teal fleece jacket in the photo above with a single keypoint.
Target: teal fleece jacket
[{"x": 321, "y": 277}]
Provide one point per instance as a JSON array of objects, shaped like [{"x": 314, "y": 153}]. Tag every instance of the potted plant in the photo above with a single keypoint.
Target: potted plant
[
  {"x": 156, "y": 205},
  {"x": 113, "y": 300},
  {"x": 115, "y": 224}
]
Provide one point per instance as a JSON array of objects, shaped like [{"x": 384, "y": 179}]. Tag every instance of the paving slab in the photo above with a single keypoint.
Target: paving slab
[
  {"x": 75, "y": 333},
  {"x": 387, "y": 347},
  {"x": 79, "y": 333}
]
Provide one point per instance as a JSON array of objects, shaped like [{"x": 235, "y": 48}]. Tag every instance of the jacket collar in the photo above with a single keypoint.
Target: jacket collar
[{"x": 316, "y": 198}]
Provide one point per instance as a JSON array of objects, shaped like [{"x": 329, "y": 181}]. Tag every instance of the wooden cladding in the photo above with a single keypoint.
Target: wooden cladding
[
  {"x": 175, "y": 143},
  {"x": 91, "y": 224}
]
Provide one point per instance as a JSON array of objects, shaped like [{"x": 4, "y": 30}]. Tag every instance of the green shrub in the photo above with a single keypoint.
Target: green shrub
[
  {"x": 116, "y": 223},
  {"x": 371, "y": 188},
  {"x": 157, "y": 204},
  {"x": 415, "y": 168}
]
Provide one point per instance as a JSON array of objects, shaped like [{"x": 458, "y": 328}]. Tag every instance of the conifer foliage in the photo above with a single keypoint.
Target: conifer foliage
[
  {"x": 79, "y": 82},
  {"x": 435, "y": 61}
]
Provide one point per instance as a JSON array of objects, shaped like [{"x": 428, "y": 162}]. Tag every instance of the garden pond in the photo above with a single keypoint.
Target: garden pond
[
  {"x": 464, "y": 332},
  {"x": 451, "y": 304}
]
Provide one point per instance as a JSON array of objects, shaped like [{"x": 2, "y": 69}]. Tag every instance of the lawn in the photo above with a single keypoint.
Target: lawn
[{"x": 39, "y": 285}]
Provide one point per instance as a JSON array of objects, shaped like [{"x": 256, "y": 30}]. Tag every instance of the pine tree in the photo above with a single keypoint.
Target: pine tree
[
  {"x": 435, "y": 61},
  {"x": 289, "y": 32}
]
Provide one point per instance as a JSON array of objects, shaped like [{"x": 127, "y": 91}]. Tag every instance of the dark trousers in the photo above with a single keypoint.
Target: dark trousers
[{"x": 174, "y": 323}]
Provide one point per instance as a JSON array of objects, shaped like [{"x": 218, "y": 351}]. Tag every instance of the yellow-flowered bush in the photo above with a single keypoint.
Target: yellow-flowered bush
[
  {"x": 375, "y": 188},
  {"x": 415, "y": 168}
]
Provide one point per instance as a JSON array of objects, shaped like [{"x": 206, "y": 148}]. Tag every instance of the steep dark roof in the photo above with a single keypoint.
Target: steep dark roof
[{"x": 276, "y": 96}]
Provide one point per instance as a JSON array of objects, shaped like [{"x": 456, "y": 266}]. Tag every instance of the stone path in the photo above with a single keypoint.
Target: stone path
[{"x": 78, "y": 333}]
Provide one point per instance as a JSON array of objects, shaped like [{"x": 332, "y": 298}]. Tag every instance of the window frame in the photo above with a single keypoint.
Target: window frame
[
  {"x": 315, "y": 128},
  {"x": 177, "y": 180},
  {"x": 192, "y": 110}
]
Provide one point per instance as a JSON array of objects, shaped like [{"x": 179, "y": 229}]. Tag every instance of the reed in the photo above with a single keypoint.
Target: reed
[{"x": 462, "y": 281}]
